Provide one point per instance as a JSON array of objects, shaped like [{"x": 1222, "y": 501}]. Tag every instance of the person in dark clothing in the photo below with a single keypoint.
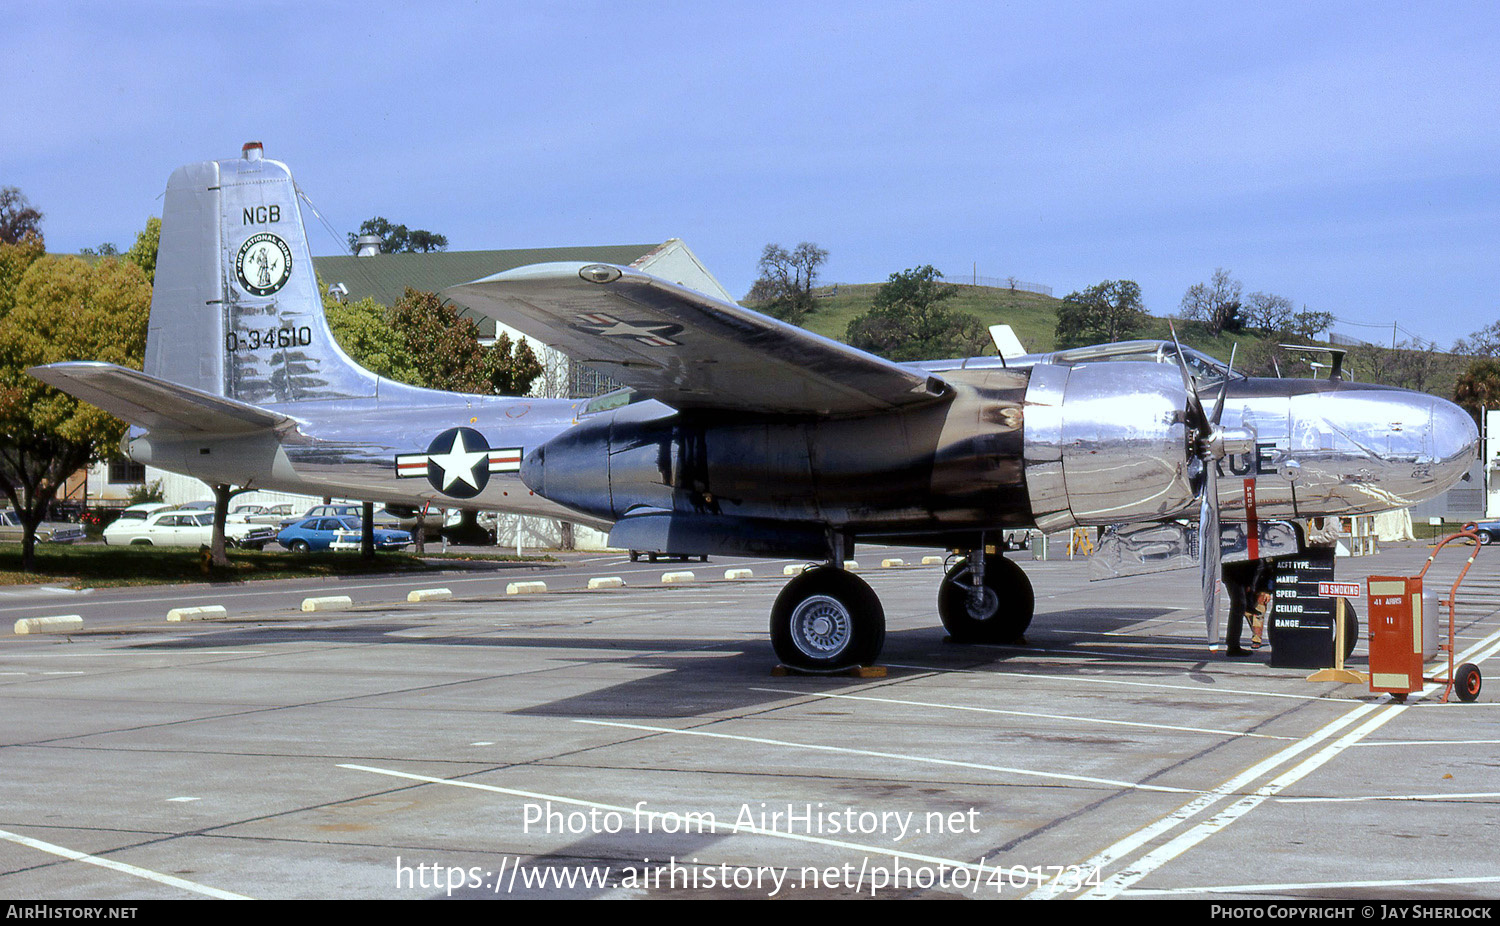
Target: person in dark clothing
[{"x": 1249, "y": 587}]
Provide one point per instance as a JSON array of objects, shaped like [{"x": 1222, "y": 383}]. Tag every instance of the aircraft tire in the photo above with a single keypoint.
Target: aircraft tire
[
  {"x": 827, "y": 620},
  {"x": 1005, "y": 613},
  {"x": 1351, "y": 629}
]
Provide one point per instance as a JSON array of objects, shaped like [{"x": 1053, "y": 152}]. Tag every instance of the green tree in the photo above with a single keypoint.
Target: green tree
[
  {"x": 1478, "y": 386},
  {"x": 784, "y": 288},
  {"x": 1310, "y": 325},
  {"x": 63, "y": 308},
  {"x": 511, "y": 367},
  {"x": 422, "y": 341},
  {"x": 143, "y": 252},
  {"x": 14, "y": 261},
  {"x": 1105, "y": 312},
  {"x": 397, "y": 239},
  {"x": 363, "y": 329},
  {"x": 446, "y": 344},
  {"x": 909, "y": 322}
]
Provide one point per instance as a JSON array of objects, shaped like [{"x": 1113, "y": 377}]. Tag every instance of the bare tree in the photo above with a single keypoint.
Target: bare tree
[
  {"x": 18, "y": 220},
  {"x": 1483, "y": 343},
  {"x": 1268, "y": 312},
  {"x": 1216, "y": 304},
  {"x": 786, "y": 281}
]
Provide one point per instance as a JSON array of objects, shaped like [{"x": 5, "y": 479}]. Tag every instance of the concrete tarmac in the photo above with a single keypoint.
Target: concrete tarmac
[{"x": 633, "y": 742}]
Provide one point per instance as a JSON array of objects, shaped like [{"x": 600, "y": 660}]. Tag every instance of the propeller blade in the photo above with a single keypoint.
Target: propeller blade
[
  {"x": 1197, "y": 417},
  {"x": 1224, "y": 387},
  {"x": 1208, "y": 549}
]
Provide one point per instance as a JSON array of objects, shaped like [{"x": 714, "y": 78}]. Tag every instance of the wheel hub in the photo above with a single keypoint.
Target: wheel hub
[
  {"x": 982, "y": 603},
  {"x": 821, "y": 626}
]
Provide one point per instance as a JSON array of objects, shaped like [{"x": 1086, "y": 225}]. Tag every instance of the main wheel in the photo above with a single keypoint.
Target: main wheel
[
  {"x": 1002, "y": 611},
  {"x": 1351, "y": 629},
  {"x": 1467, "y": 682},
  {"x": 827, "y": 619}
]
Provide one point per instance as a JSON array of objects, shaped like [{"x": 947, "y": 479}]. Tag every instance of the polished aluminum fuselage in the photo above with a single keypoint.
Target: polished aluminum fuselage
[
  {"x": 347, "y": 448},
  {"x": 1048, "y": 445}
]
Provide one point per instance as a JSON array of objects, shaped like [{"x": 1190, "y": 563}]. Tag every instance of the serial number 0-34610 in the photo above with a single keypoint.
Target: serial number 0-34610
[{"x": 255, "y": 339}]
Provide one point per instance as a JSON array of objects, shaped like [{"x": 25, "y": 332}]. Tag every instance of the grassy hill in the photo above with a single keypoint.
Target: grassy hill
[
  {"x": 1034, "y": 319},
  {"x": 1032, "y": 316}
]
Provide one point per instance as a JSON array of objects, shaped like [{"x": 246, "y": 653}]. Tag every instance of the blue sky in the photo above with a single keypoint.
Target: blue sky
[{"x": 1345, "y": 155}]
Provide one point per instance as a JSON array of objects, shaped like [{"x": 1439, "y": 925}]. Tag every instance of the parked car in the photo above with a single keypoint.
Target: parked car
[
  {"x": 141, "y": 511},
  {"x": 11, "y": 530},
  {"x": 1488, "y": 531},
  {"x": 346, "y": 510},
  {"x": 338, "y": 533},
  {"x": 175, "y": 527}
]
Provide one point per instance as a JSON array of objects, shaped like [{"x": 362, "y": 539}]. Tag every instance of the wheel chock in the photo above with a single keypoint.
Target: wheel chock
[{"x": 781, "y": 671}]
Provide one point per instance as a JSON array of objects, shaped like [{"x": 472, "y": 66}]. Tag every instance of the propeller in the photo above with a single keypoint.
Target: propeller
[{"x": 1206, "y": 440}]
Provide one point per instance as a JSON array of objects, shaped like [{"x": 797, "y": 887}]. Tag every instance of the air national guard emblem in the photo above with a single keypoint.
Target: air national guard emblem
[
  {"x": 263, "y": 265},
  {"x": 458, "y": 462}
]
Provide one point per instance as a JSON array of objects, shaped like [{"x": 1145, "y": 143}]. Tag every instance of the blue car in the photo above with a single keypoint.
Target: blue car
[
  {"x": 335, "y": 534},
  {"x": 1488, "y": 531}
]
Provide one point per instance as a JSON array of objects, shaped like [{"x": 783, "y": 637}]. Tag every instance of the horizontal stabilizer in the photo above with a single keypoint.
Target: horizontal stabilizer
[
  {"x": 690, "y": 350},
  {"x": 156, "y": 404},
  {"x": 1006, "y": 341}
]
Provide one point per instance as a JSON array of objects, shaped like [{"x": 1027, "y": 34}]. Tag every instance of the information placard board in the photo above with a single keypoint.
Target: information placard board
[{"x": 1302, "y": 619}]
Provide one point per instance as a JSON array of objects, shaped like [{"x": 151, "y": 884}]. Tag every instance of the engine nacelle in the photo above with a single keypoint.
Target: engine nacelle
[{"x": 1106, "y": 443}]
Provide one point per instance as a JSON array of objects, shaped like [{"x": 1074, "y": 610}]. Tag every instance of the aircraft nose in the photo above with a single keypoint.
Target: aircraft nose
[{"x": 1455, "y": 441}]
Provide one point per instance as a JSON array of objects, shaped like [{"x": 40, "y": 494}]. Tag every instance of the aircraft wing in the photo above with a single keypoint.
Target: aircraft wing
[
  {"x": 689, "y": 350},
  {"x": 156, "y": 404}
]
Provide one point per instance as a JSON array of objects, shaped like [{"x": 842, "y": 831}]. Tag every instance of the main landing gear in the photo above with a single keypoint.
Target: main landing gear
[
  {"x": 827, "y": 619},
  {"x": 986, "y": 599}
]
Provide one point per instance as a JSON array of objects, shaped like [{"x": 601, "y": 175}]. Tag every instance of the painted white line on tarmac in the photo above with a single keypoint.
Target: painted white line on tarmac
[
  {"x": 1307, "y": 886},
  {"x": 1427, "y": 743},
  {"x": 694, "y": 819},
  {"x": 1152, "y": 861},
  {"x": 924, "y": 760},
  {"x": 1073, "y": 681},
  {"x": 1122, "y": 848},
  {"x": 1065, "y": 717},
  {"x": 1473, "y": 795},
  {"x": 146, "y": 873}
]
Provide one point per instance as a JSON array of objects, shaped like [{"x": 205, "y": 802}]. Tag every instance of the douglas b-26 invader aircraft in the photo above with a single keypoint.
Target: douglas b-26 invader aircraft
[{"x": 742, "y": 434}]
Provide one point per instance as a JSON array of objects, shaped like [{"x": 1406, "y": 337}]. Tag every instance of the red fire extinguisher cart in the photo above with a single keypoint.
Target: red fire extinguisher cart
[{"x": 1396, "y": 628}]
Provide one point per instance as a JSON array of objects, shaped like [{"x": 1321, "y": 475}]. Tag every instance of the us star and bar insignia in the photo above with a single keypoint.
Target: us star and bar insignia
[
  {"x": 652, "y": 334},
  {"x": 459, "y": 462}
]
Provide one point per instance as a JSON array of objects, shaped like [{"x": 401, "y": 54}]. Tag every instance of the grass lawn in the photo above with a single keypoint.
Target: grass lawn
[{"x": 91, "y": 566}]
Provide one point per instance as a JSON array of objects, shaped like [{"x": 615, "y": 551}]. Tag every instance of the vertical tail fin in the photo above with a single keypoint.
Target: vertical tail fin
[{"x": 236, "y": 309}]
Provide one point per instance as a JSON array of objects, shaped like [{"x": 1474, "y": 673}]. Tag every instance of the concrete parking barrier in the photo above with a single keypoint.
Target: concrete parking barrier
[
  {"x": 525, "y": 588},
  {"x": 796, "y": 569},
  {"x": 208, "y": 612},
  {"x": 675, "y": 578},
  {"x": 851, "y": 565},
  {"x": 932, "y": 561},
  {"x": 892, "y": 563},
  {"x": 607, "y": 582},
  {"x": 429, "y": 594},
  {"x": 327, "y": 603},
  {"x": 738, "y": 574},
  {"x": 61, "y": 623}
]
